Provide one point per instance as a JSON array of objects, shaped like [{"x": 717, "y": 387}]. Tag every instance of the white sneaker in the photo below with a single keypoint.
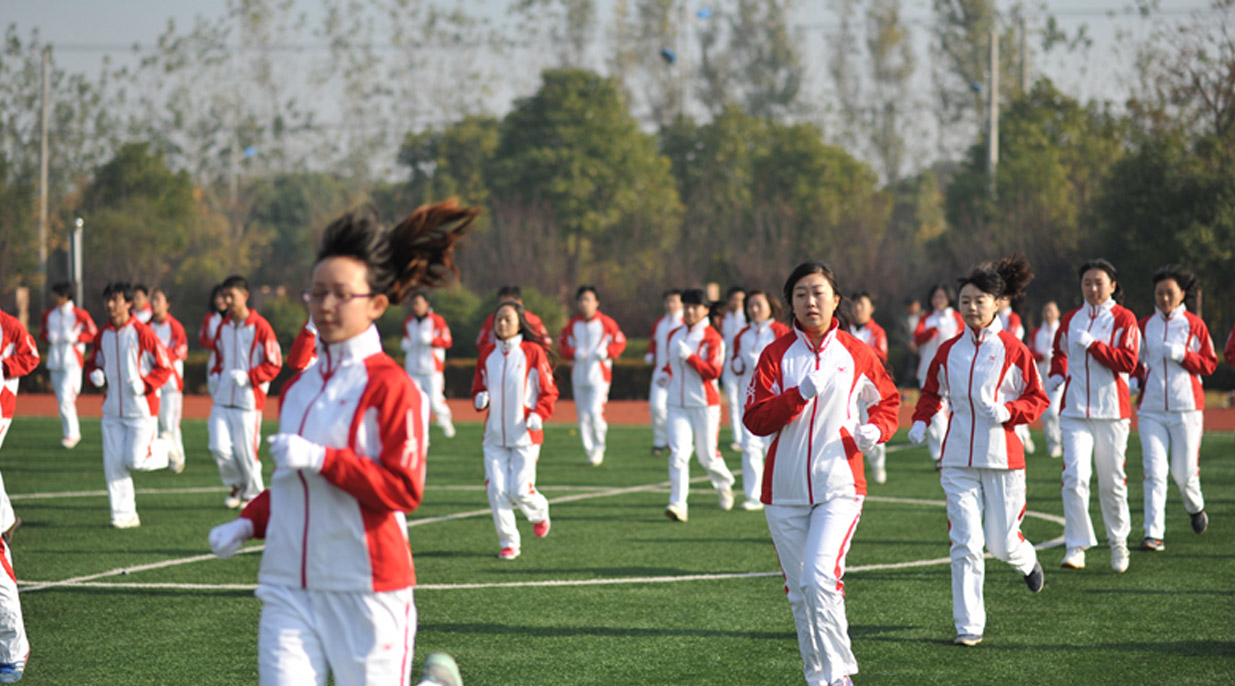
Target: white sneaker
[
  {"x": 967, "y": 640},
  {"x": 881, "y": 476},
  {"x": 726, "y": 499},
  {"x": 752, "y": 505},
  {"x": 676, "y": 513},
  {"x": 596, "y": 458},
  {"x": 232, "y": 501},
  {"x": 130, "y": 522},
  {"x": 449, "y": 430},
  {"x": 1074, "y": 559},
  {"x": 1056, "y": 452},
  {"x": 1119, "y": 558},
  {"x": 175, "y": 454},
  {"x": 736, "y": 447},
  {"x": 70, "y": 442}
]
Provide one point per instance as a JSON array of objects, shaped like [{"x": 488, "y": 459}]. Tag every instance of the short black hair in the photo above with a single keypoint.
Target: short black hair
[
  {"x": 694, "y": 296},
  {"x": 141, "y": 288},
  {"x": 861, "y": 294},
  {"x": 671, "y": 291},
  {"x": 734, "y": 289},
  {"x": 509, "y": 293},
  {"x": 586, "y": 289},
  {"x": 123, "y": 288},
  {"x": 63, "y": 289},
  {"x": 419, "y": 294},
  {"x": 235, "y": 281}
]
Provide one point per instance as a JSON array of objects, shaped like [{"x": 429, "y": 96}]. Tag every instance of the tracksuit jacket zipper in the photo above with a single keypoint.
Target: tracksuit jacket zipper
[{"x": 304, "y": 484}]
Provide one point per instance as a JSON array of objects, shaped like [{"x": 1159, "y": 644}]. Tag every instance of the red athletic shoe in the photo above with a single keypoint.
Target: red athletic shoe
[
  {"x": 508, "y": 554},
  {"x": 541, "y": 528}
]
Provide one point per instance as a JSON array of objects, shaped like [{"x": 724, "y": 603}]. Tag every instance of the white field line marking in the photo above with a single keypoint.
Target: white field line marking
[
  {"x": 89, "y": 581},
  {"x": 223, "y": 489}
]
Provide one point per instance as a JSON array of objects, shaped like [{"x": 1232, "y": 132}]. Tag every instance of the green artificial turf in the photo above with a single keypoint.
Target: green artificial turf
[{"x": 1169, "y": 619}]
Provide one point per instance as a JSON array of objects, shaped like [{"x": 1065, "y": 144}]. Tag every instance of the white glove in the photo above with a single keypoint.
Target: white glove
[
  {"x": 212, "y": 383},
  {"x": 405, "y": 344},
  {"x": 292, "y": 452},
  {"x": 426, "y": 337},
  {"x": 602, "y": 353},
  {"x": 580, "y": 354},
  {"x": 683, "y": 350},
  {"x": 1085, "y": 339},
  {"x": 868, "y": 436},
  {"x": 481, "y": 401},
  {"x": 137, "y": 386},
  {"x": 98, "y": 378},
  {"x": 997, "y": 412},
  {"x": 663, "y": 380},
  {"x": 917, "y": 433},
  {"x": 239, "y": 377},
  {"x": 1177, "y": 351},
  {"x": 534, "y": 422},
  {"x": 1053, "y": 383},
  {"x": 812, "y": 384},
  {"x": 226, "y": 539},
  {"x": 649, "y": 358},
  {"x": 1134, "y": 385}
]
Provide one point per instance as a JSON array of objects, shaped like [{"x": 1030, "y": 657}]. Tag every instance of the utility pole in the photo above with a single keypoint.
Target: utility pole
[
  {"x": 992, "y": 140},
  {"x": 41, "y": 286},
  {"x": 75, "y": 260}
]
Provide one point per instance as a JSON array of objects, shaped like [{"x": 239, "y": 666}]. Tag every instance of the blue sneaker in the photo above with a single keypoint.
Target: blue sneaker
[{"x": 10, "y": 672}]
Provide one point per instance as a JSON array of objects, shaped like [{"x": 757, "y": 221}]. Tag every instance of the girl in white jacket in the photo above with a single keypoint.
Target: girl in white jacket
[
  {"x": 763, "y": 314},
  {"x": 336, "y": 576},
  {"x": 1177, "y": 351},
  {"x": 805, "y": 395},
  {"x": 992, "y": 385},
  {"x": 514, "y": 381},
  {"x": 942, "y": 324}
]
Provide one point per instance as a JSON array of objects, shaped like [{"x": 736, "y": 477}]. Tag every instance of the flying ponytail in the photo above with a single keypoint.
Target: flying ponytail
[{"x": 1006, "y": 278}]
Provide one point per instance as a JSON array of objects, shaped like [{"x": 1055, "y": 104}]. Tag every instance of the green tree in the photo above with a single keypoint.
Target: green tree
[
  {"x": 292, "y": 209},
  {"x": 573, "y": 150},
  {"x": 451, "y": 162}
]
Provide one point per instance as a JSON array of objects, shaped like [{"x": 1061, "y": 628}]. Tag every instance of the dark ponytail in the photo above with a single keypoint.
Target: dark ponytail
[
  {"x": 525, "y": 329},
  {"x": 1099, "y": 263},
  {"x": 418, "y": 253},
  {"x": 1184, "y": 278},
  {"x": 1006, "y": 278}
]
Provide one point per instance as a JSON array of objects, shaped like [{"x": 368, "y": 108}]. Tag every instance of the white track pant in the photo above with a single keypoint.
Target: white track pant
[
  {"x": 590, "y": 407},
  {"x": 13, "y": 643},
  {"x": 361, "y": 638},
  {"x": 937, "y": 429},
  {"x": 1170, "y": 441},
  {"x": 812, "y": 542},
  {"x": 7, "y": 517},
  {"x": 171, "y": 409},
  {"x": 510, "y": 479},
  {"x": 433, "y": 386},
  {"x": 1050, "y": 421},
  {"x": 66, "y": 383},
  {"x": 234, "y": 441},
  {"x": 129, "y": 445},
  {"x": 694, "y": 429},
  {"x": 658, "y": 407},
  {"x": 754, "y": 449},
  {"x": 1089, "y": 445},
  {"x": 734, "y": 392},
  {"x": 985, "y": 508}
]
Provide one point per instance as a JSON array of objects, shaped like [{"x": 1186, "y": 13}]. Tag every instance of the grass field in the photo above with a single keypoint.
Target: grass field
[{"x": 1169, "y": 619}]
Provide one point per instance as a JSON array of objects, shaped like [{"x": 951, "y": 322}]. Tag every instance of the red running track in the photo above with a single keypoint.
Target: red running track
[{"x": 631, "y": 412}]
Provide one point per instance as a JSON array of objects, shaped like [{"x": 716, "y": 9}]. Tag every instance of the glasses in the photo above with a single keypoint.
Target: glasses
[{"x": 316, "y": 296}]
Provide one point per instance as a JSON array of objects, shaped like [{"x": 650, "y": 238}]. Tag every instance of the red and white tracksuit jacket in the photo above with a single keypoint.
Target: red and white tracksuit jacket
[
  {"x": 749, "y": 344},
  {"x": 873, "y": 335},
  {"x": 344, "y": 529},
  {"x": 304, "y": 348},
  {"x": 486, "y": 336},
  {"x": 696, "y": 386},
  {"x": 980, "y": 368},
  {"x": 517, "y": 375},
  {"x": 19, "y": 355},
  {"x": 1167, "y": 385},
  {"x": 75, "y": 328},
  {"x": 1041, "y": 344},
  {"x": 1097, "y": 378},
  {"x": 933, "y": 329},
  {"x": 171, "y": 334},
  {"x": 251, "y": 347},
  {"x": 1011, "y": 322},
  {"x": 209, "y": 329},
  {"x": 813, "y": 457},
  {"x": 131, "y": 352},
  {"x": 603, "y": 342},
  {"x": 656, "y": 341},
  {"x": 426, "y": 341}
]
